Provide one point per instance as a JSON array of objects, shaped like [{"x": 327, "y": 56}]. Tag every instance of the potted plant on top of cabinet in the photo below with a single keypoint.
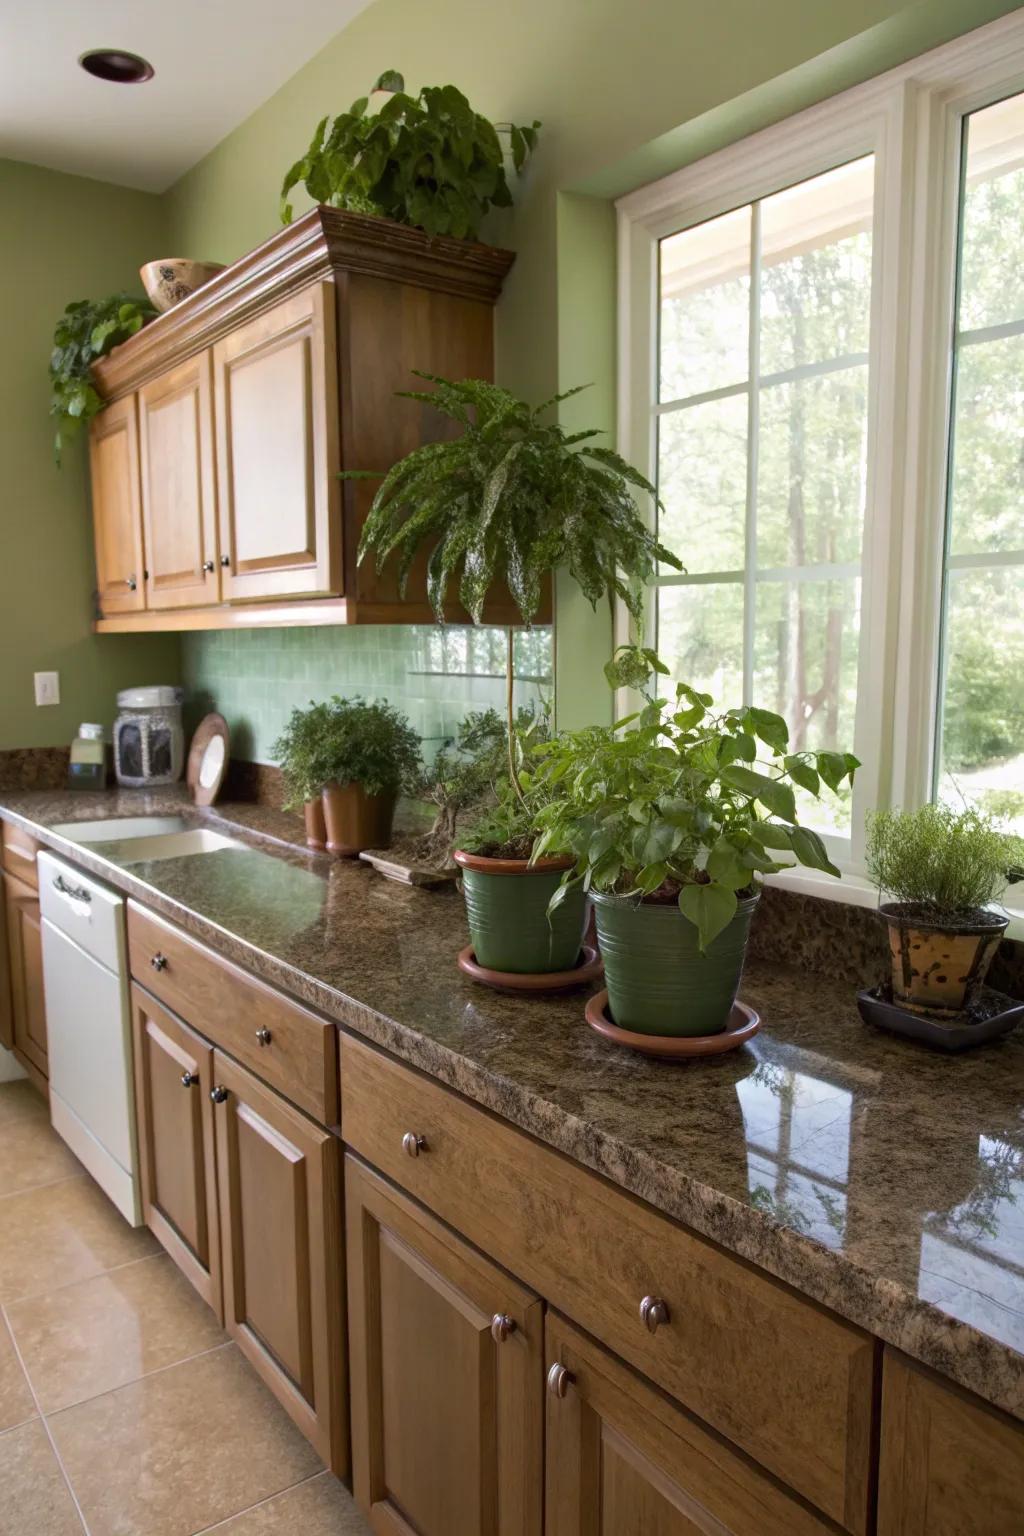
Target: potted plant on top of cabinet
[
  {"x": 669, "y": 818},
  {"x": 87, "y": 330},
  {"x": 514, "y": 497},
  {"x": 429, "y": 161},
  {"x": 368, "y": 753},
  {"x": 942, "y": 869}
]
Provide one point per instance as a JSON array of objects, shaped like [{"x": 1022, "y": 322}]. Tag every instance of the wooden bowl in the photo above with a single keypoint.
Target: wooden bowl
[{"x": 175, "y": 278}]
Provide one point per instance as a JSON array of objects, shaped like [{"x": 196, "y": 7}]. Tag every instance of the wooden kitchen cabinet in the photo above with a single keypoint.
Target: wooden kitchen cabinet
[
  {"x": 117, "y": 508},
  {"x": 25, "y": 957},
  {"x": 446, "y": 1370},
  {"x": 279, "y": 1189},
  {"x": 950, "y": 1465},
  {"x": 623, "y": 1460},
  {"x": 178, "y": 486},
  {"x": 174, "y": 1110}
]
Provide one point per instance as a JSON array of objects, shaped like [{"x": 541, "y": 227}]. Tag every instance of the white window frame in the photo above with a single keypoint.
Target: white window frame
[{"x": 911, "y": 120}]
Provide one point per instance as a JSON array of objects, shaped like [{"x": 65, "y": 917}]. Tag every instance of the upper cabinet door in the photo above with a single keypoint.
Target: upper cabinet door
[
  {"x": 117, "y": 508},
  {"x": 178, "y": 489},
  {"x": 277, "y": 452}
]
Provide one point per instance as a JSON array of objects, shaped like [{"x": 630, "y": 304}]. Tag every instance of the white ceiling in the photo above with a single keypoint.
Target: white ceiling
[{"x": 215, "y": 62}]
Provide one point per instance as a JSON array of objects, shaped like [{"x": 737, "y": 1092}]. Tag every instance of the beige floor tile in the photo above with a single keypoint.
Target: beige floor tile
[
  {"x": 321, "y": 1507},
  {"x": 88, "y": 1338},
  {"x": 180, "y": 1450},
  {"x": 16, "y": 1403},
  {"x": 35, "y": 1500},
  {"x": 20, "y": 1098},
  {"x": 31, "y": 1153},
  {"x": 60, "y": 1233}
]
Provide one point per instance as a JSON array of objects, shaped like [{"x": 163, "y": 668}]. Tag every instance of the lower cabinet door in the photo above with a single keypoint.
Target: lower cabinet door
[
  {"x": 446, "y": 1358},
  {"x": 279, "y": 1187},
  {"x": 25, "y": 952},
  {"x": 623, "y": 1460},
  {"x": 173, "y": 1082}
]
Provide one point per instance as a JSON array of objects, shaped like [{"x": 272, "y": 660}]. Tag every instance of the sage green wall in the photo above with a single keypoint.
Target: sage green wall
[
  {"x": 625, "y": 93},
  {"x": 64, "y": 238}
]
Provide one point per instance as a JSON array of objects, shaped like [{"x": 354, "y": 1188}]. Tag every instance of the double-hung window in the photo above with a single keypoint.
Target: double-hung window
[{"x": 822, "y": 369}]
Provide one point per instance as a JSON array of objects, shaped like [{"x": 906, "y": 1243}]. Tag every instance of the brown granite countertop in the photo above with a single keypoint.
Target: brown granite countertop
[{"x": 880, "y": 1179}]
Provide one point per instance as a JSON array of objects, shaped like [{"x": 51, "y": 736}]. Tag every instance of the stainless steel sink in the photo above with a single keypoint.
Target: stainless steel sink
[{"x": 135, "y": 839}]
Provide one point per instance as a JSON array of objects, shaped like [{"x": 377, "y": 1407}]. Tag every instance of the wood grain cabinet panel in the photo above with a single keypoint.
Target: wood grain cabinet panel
[
  {"x": 447, "y": 1386},
  {"x": 25, "y": 954},
  {"x": 622, "y": 1460},
  {"x": 117, "y": 508},
  {"x": 786, "y": 1381},
  {"x": 279, "y": 1185},
  {"x": 173, "y": 1084},
  {"x": 950, "y": 1465},
  {"x": 18, "y": 850},
  {"x": 178, "y": 486},
  {"x": 278, "y": 451}
]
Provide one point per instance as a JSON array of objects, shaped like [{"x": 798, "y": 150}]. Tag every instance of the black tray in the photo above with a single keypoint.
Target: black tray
[{"x": 996, "y": 1015}]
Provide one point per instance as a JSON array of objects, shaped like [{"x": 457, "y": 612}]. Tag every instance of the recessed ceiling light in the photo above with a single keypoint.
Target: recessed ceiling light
[{"x": 116, "y": 65}]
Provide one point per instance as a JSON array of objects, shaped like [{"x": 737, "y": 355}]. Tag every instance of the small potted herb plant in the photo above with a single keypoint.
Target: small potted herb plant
[
  {"x": 942, "y": 869},
  {"x": 513, "y": 496},
  {"x": 669, "y": 819},
  {"x": 299, "y": 752},
  {"x": 368, "y": 753}
]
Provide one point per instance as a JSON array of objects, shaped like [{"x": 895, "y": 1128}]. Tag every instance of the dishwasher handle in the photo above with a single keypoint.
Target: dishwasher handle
[{"x": 75, "y": 892}]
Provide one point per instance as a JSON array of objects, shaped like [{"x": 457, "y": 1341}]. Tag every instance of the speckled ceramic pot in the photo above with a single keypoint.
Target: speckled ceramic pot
[
  {"x": 658, "y": 981},
  {"x": 356, "y": 820},
  {"x": 507, "y": 907},
  {"x": 937, "y": 968}
]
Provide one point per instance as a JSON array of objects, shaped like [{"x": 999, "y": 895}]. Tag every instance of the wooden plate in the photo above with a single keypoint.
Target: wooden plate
[
  {"x": 589, "y": 968},
  {"x": 208, "y": 759},
  {"x": 743, "y": 1024}
]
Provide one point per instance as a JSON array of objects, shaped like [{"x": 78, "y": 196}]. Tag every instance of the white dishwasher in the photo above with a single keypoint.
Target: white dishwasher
[{"x": 88, "y": 1025}]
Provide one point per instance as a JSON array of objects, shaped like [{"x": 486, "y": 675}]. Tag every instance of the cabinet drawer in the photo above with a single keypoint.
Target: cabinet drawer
[
  {"x": 19, "y": 855},
  {"x": 236, "y": 1011},
  {"x": 780, "y": 1377}
]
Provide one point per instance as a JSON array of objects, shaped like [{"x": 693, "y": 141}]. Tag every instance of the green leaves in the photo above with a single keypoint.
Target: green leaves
[
  {"x": 87, "y": 330},
  {"x": 709, "y": 907}
]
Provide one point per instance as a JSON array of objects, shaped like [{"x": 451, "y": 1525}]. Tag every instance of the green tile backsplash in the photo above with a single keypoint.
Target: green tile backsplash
[{"x": 255, "y": 678}]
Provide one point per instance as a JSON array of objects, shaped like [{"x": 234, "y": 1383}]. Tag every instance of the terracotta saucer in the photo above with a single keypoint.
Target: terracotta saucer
[
  {"x": 743, "y": 1023},
  {"x": 589, "y": 968}
]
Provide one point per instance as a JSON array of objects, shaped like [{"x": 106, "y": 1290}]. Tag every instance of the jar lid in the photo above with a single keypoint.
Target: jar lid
[
  {"x": 90, "y": 732},
  {"x": 149, "y": 698}
]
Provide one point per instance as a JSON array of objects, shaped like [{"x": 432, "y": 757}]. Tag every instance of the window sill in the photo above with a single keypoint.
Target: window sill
[{"x": 856, "y": 891}]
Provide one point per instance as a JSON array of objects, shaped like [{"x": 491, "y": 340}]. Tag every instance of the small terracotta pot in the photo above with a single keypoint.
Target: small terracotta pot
[
  {"x": 507, "y": 909},
  {"x": 316, "y": 827},
  {"x": 936, "y": 967},
  {"x": 356, "y": 820}
]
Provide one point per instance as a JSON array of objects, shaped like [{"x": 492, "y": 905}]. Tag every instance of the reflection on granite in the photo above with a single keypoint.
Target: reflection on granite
[{"x": 873, "y": 1175}]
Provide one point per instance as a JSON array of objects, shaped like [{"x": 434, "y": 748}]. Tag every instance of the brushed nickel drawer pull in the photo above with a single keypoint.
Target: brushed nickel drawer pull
[
  {"x": 560, "y": 1379},
  {"x": 158, "y": 961},
  {"x": 501, "y": 1326},
  {"x": 264, "y": 1036},
  {"x": 414, "y": 1144},
  {"x": 653, "y": 1312}
]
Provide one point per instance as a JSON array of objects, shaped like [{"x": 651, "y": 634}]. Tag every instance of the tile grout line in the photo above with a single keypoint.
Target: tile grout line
[
  {"x": 220, "y": 1524},
  {"x": 32, "y": 1189},
  {"x": 66, "y": 1285},
  {"x": 55, "y": 1413},
  {"x": 46, "y": 1428}
]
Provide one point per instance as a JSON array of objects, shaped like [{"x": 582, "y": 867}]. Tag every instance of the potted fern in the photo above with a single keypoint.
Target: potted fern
[
  {"x": 512, "y": 497},
  {"x": 299, "y": 753},
  {"x": 942, "y": 869}
]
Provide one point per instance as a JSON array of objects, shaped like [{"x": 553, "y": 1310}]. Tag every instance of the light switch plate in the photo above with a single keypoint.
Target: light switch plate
[{"x": 47, "y": 687}]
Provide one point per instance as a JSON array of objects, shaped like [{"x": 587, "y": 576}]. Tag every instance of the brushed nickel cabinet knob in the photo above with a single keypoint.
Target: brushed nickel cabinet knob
[
  {"x": 218, "y": 1094},
  {"x": 653, "y": 1312},
  {"x": 501, "y": 1326},
  {"x": 225, "y": 560},
  {"x": 264, "y": 1036},
  {"x": 560, "y": 1379},
  {"x": 208, "y": 566},
  {"x": 158, "y": 961},
  {"x": 132, "y": 583},
  {"x": 414, "y": 1144},
  {"x": 189, "y": 1079}
]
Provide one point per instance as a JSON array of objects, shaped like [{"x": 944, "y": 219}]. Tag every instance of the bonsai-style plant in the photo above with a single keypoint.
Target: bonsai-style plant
[
  {"x": 669, "y": 819},
  {"x": 363, "y": 754},
  {"x": 299, "y": 752},
  {"x": 942, "y": 869},
  {"x": 513, "y": 497},
  {"x": 428, "y": 160},
  {"x": 87, "y": 330}
]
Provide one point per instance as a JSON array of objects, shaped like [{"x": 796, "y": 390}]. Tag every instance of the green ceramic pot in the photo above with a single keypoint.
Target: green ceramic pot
[
  {"x": 506, "y": 904},
  {"x": 658, "y": 981}
]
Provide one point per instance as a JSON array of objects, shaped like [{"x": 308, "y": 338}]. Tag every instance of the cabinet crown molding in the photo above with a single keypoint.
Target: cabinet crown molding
[{"x": 321, "y": 245}]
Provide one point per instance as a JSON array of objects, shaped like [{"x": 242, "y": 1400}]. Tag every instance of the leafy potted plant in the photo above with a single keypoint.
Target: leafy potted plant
[
  {"x": 428, "y": 160},
  {"x": 942, "y": 869},
  {"x": 669, "y": 818},
  {"x": 368, "y": 753},
  {"x": 513, "y": 497},
  {"x": 299, "y": 752},
  {"x": 87, "y": 330}
]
